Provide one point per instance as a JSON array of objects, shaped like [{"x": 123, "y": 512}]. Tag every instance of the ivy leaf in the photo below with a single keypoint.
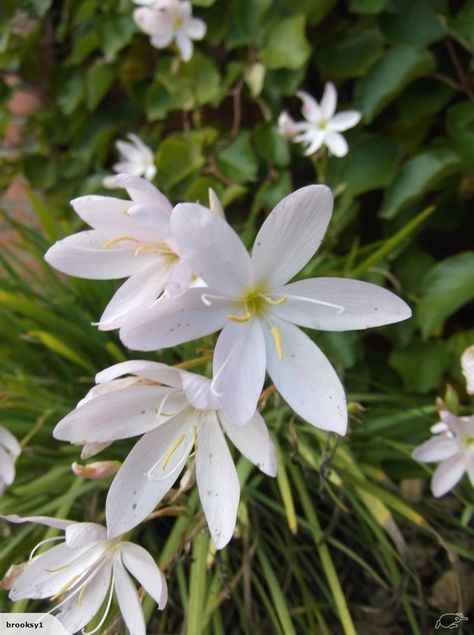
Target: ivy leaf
[
  {"x": 369, "y": 7},
  {"x": 351, "y": 54},
  {"x": 412, "y": 23},
  {"x": 179, "y": 156},
  {"x": 238, "y": 161},
  {"x": 286, "y": 45},
  {"x": 99, "y": 79},
  {"x": 421, "y": 366},
  {"x": 460, "y": 127}
]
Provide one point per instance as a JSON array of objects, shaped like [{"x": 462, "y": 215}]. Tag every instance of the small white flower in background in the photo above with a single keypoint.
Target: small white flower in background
[
  {"x": 168, "y": 20},
  {"x": 85, "y": 570},
  {"x": 136, "y": 159},
  {"x": 129, "y": 239},
  {"x": 259, "y": 312},
  {"x": 322, "y": 126},
  {"x": 10, "y": 450},
  {"x": 453, "y": 447},
  {"x": 467, "y": 365},
  {"x": 175, "y": 411}
]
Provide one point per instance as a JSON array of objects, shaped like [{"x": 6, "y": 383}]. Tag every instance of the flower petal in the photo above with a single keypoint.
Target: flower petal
[
  {"x": 310, "y": 109},
  {"x": 328, "y": 101},
  {"x": 239, "y": 369},
  {"x": 314, "y": 141},
  {"x": 212, "y": 247},
  {"x": 9, "y": 442},
  {"x": 151, "y": 219},
  {"x": 128, "y": 600},
  {"x": 80, "y": 534},
  {"x": 180, "y": 279},
  {"x": 144, "y": 193},
  {"x": 148, "y": 473},
  {"x": 173, "y": 321},
  {"x": 120, "y": 414},
  {"x": 155, "y": 371},
  {"x": 217, "y": 481},
  {"x": 253, "y": 441},
  {"x": 336, "y": 143},
  {"x": 339, "y": 304},
  {"x": 198, "y": 391},
  {"x": 436, "y": 449},
  {"x": 57, "y": 523},
  {"x": 161, "y": 41},
  {"x": 196, "y": 29},
  {"x": 448, "y": 474},
  {"x": 291, "y": 234},
  {"x": 142, "y": 566},
  {"x": 7, "y": 466},
  {"x": 185, "y": 46},
  {"x": 102, "y": 212},
  {"x": 344, "y": 120},
  {"x": 306, "y": 379}
]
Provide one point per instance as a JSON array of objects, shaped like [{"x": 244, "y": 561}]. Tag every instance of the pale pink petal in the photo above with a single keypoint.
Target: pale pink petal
[
  {"x": 436, "y": 449},
  {"x": 185, "y": 46},
  {"x": 291, "y": 234},
  {"x": 344, "y": 120},
  {"x": 339, "y": 304},
  {"x": 196, "y": 29},
  {"x": 305, "y": 378},
  {"x": 180, "y": 279},
  {"x": 128, "y": 600},
  {"x": 80, "y": 534},
  {"x": 328, "y": 101},
  {"x": 198, "y": 391},
  {"x": 439, "y": 428},
  {"x": 173, "y": 321},
  {"x": 150, "y": 219},
  {"x": 239, "y": 369},
  {"x": 212, "y": 247},
  {"x": 148, "y": 473},
  {"x": 455, "y": 424},
  {"x": 144, "y": 193},
  {"x": 217, "y": 481},
  {"x": 155, "y": 371},
  {"x": 448, "y": 474},
  {"x": 253, "y": 441},
  {"x": 336, "y": 143},
  {"x": 142, "y": 566},
  {"x": 102, "y": 212},
  {"x": 310, "y": 109},
  {"x": 91, "y": 449}
]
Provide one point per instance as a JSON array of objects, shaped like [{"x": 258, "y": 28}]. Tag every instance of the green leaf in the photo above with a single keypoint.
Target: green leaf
[
  {"x": 245, "y": 22},
  {"x": 448, "y": 286},
  {"x": 178, "y": 157},
  {"x": 350, "y": 54},
  {"x": 421, "y": 366},
  {"x": 370, "y": 164},
  {"x": 460, "y": 127},
  {"x": 461, "y": 26},
  {"x": 71, "y": 92},
  {"x": 40, "y": 7},
  {"x": 271, "y": 145},
  {"x": 238, "y": 161},
  {"x": 390, "y": 76},
  {"x": 423, "y": 99},
  {"x": 369, "y": 7},
  {"x": 286, "y": 45},
  {"x": 419, "y": 175},
  {"x": 99, "y": 79},
  {"x": 411, "y": 22},
  {"x": 116, "y": 31}
]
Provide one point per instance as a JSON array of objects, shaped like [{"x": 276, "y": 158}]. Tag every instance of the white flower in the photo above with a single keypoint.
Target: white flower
[
  {"x": 85, "y": 570},
  {"x": 467, "y": 365},
  {"x": 177, "y": 411},
  {"x": 322, "y": 125},
  {"x": 168, "y": 20},
  {"x": 249, "y": 298},
  {"x": 136, "y": 159},
  {"x": 453, "y": 446},
  {"x": 286, "y": 126},
  {"x": 10, "y": 450}
]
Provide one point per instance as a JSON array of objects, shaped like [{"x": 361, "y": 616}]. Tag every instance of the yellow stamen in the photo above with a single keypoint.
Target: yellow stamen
[
  {"x": 240, "y": 318},
  {"x": 64, "y": 588},
  {"x": 81, "y": 592},
  {"x": 275, "y": 331},
  {"x": 172, "y": 450},
  {"x": 146, "y": 249},
  {"x": 118, "y": 239},
  {"x": 270, "y": 300}
]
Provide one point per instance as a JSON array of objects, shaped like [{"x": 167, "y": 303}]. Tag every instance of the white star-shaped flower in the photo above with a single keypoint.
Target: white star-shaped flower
[
  {"x": 84, "y": 571},
  {"x": 175, "y": 411},
  {"x": 168, "y": 20},
  {"x": 467, "y": 365},
  {"x": 10, "y": 450},
  {"x": 249, "y": 298},
  {"x": 453, "y": 447},
  {"x": 322, "y": 126},
  {"x": 136, "y": 158}
]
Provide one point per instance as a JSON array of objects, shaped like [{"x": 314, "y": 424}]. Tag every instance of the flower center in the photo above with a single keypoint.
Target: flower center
[
  {"x": 253, "y": 303},
  {"x": 178, "y": 22}
]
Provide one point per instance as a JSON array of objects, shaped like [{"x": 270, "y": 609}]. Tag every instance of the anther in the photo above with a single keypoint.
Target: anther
[
  {"x": 270, "y": 300},
  {"x": 119, "y": 239},
  {"x": 172, "y": 450},
  {"x": 275, "y": 331},
  {"x": 240, "y": 318}
]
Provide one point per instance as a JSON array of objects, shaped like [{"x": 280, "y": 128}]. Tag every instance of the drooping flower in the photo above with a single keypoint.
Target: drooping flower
[
  {"x": 166, "y": 21},
  {"x": 85, "y": 570},
  {"x": 136, "y": 159},
  {"x": 467, "y": 365},
  {"x": 129, "y": 239},
  {"x": 10, "y": 450},
  {"x": 175, "y": 411},
  {"x": 249, "y": 298},
  {"x": 452, "y": 445},
  {"x": 322, "y": 126}
]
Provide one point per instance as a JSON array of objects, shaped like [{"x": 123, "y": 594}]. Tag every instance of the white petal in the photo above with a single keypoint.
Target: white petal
[
  {"x": 80, "y": 534},
  {"x": 148, "y": 473},
  {"x": 448, "y": 474},
  {"x": 339, "y": 304},
  {"x": 141, "y": 289},
  {"x": 7, "y": 466},
  {"x": 336, "y": 144},
  {"x": 467, "y": 365},
  {"x": 91, "y": 449},
  {"x": 144, "y": 193},
  {"x": 102, "y": 212},
  {"x": 217, "y": 481},
  {"x": 291, "y": 234},
  {"x": 215, "y": 205},
  {"x": 306, "y": 379},
  {"x": 315, "y": 141},
  {"x": 437, "y": 449},
  {"x": 185, "y": 46},
  {"x": 180, "y": 279},
  {"x": 152, "y": 22},
  {"x": 470, "y": 465},
  {"x": 253, "y": 441},
  {"x": 143, "y": 368},
  {"x": 151, "y": 219},
  {"x": 128, "y": 600},
  {"x": 239, "y": 369},
  {"x": 456, "y": 425},
  {"x": 439, "y": 428},
  {"x": 85, "y": 256},
  {"x": 198, "y": 391},
  {"x": 161, "y": 41},
  {"x": 196, "y": 29},
  {"x": 344, "y": 120},
  {"x": 329, "y": 101},
  {"x": 212, "y": 247},
  {"x": 57, "y": 523},
  {"x": 142, "y": 566},
  {"x": 173, "y": 321},
  {"x": 116, "y": 415},
  {"x": 310, "y": 109}
]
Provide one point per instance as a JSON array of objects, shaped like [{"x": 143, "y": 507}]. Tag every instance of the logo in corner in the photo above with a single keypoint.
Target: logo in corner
[{"x": 450, "y": 620}]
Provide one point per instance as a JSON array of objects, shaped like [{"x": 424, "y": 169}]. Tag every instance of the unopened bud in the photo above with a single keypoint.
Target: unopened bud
[
  {"x": 99, "y": 469},
  {"x": 286, "y": 126}
]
